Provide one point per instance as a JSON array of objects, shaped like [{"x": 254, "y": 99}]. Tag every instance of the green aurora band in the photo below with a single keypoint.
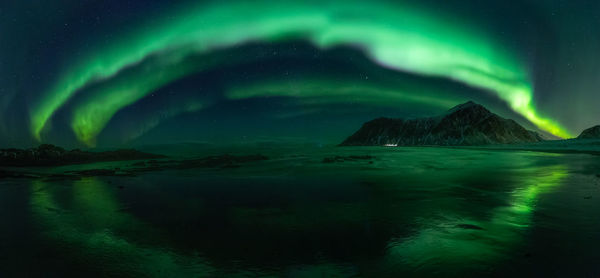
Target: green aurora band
[
  {"x": 316, "y": 91},
  {"x": 394, "y": 35}
]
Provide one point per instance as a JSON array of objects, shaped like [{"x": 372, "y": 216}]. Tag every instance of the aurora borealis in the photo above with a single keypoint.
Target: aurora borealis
[
  {"x": 84, "y": 85},
  {"x": 299, "y": 138}
]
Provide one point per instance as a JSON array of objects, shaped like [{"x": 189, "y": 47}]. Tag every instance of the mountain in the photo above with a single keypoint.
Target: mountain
[
  {"x": 50, "y": 155},
  {"x": 590, "y": 133},
  {"x": 465, "y": 124}
]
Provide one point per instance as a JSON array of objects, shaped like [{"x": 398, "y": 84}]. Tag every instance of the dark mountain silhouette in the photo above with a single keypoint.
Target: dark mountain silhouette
[{"x": 465, "y": 124}]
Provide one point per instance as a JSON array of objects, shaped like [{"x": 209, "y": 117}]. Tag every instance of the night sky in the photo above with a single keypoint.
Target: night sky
[{"x": 118, "y": 73}]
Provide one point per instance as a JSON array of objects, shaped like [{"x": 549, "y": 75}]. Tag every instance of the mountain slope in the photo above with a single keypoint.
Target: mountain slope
[
  {"x": 590, "y": 133},
  {"x": 465, "y": 124}
]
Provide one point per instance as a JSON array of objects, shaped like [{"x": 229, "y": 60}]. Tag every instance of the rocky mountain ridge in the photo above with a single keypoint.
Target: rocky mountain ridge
[{"x": 465, "y": 124}]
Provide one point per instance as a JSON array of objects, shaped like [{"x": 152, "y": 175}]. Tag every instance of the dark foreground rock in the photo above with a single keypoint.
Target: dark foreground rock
[
  {"x": 4, "y": 174},
  {"x": 50, "y": 155},
  {"x": 469, "y": 227},
  {"x": 464, "y": 125},
  {"x": 218, "y": 162},
  {"x": 338, "y": 158},
  {"x": 221, "y": 161}
]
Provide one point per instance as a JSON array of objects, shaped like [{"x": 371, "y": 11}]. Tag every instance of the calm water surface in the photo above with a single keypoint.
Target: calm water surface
[{"x": 414, "y": 212}]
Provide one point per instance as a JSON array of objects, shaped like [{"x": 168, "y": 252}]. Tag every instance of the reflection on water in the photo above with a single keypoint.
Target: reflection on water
[
  {"x": 420, "y": 212},
  {"x": 453, "y": 241},
  {"x": 90, "y": 233}
]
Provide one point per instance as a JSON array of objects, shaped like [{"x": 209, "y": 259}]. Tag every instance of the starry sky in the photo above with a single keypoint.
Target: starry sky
[{"x": 119, "y": 73}]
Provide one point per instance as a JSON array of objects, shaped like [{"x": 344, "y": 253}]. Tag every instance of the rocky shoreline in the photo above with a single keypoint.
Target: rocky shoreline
[
  {"x": 152, "y": 165},
  {"x": 49, "y": 155}
]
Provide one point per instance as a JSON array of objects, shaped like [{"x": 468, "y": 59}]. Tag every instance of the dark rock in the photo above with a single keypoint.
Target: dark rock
[
  {"x": 469, "y": 227},
  {"x": 465, "y": 124},
  {"x": 360, "y": 157},
  {"x": 50, "y": 155},
  {"x": 333, "y": 159},
  {"x": 329, "y": 160},
  {"x": 4, "y": 174},
  {"x": 61, "y": 177},
  {"x": 590, "y": 133},
  {"x": 96, "y": 172},
  {"x": 338, "y": 158},
  {"x": 368, "y": 183},
  {"x": 222, "y": 161},
  {"x": 230, "y": 166},
  {"x": 219, "y": 162}
]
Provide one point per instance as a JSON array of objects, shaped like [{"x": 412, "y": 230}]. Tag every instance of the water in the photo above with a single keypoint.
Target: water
[{"x": 410, "y": 212}]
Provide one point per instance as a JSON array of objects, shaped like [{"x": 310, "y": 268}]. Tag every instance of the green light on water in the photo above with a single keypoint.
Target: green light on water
[
  {"x": 446, "y": 243},
  {"x": 93, "y": 231}
]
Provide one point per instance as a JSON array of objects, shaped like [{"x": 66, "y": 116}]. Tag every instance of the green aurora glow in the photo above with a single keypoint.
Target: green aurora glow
[{"x": 396, "y": 36}]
